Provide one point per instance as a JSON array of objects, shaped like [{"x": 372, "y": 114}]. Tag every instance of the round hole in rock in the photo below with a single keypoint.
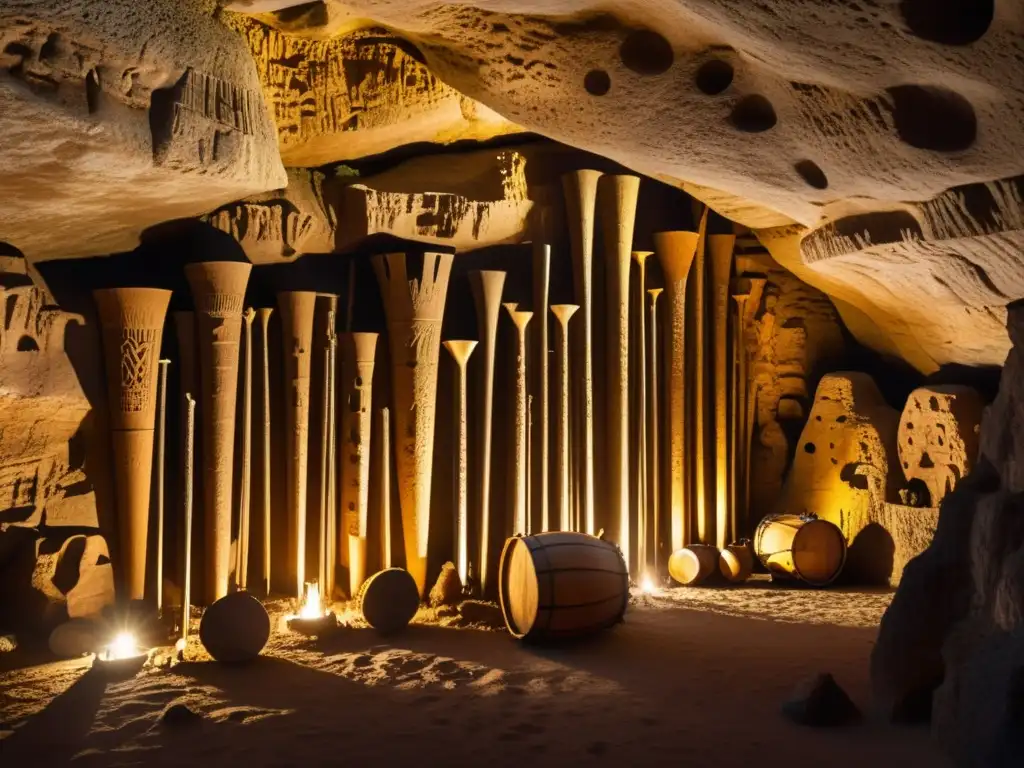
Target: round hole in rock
[
  {"x": 840, "y": 419},
  {"x": 646, "y": 52},
  {"x": 714, "y": 77},
  {"x": 27, "y": 344},
  {"x": 933, "y": 118},
  {"x": 812, "y": 174},
  {"x": 910, "y": 441},
  {"x": 940, "y": 440},
  {"x": 809, "y": 447},
  {"x": 597, "y": 82},
  {"x": 950, "y": 22},
  {"x": 753, "y": 114}
]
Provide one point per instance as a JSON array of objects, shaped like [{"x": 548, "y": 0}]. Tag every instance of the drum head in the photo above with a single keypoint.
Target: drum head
[{"x": 819, "y": 551}]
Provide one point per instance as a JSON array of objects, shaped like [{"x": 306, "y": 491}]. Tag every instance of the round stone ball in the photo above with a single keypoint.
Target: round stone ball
[{"x": 235, "y": 629}]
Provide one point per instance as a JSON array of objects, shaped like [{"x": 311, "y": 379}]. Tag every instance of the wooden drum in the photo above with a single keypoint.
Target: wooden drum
[
  {"x": 801, "y": 546},
  {"x": 561, "y": 585},
  {"x": 690, "y": 565}
]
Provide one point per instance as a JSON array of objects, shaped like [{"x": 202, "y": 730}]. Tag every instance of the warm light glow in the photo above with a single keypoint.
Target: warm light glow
[
  {"x": 180, "y": 645},
  {"x": 123, "y": 646},
  {"x": 312, "y": 606},
  {"x": 647, "y": 585}
]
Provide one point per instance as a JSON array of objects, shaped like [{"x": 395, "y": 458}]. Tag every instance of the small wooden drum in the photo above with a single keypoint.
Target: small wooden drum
[{"x": 802, "y": 547}]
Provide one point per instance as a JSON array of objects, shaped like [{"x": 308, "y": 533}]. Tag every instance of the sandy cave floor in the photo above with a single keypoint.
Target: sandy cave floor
[{"x": 694, "y": 677}]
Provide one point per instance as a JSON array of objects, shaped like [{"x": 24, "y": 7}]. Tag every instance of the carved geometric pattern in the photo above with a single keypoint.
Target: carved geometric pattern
[
  {"x": 222, "y": 305},
  {"x": 139, "y": 349}
]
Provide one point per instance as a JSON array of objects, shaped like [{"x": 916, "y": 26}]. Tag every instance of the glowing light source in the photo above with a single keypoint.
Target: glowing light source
[
  {"x": 312, "y": 605},
  {"x": 647, "y": 586},
  {"x": 123, "y": 646}
]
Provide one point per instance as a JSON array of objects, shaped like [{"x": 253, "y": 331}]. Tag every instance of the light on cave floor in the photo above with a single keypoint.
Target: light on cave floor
[
  {"x": 123, "y": 646},
  {"x": 312, "y": 605},
  {"x": 647, "y": 585}
]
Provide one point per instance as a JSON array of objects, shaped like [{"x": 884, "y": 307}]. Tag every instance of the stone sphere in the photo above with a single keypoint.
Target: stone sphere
[
  {"x": 235, "y": 628},
  {"x": 389, "y": 599}
]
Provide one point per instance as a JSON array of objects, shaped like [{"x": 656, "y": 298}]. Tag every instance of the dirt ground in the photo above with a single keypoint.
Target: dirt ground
[{"x": 694, "y": 677}]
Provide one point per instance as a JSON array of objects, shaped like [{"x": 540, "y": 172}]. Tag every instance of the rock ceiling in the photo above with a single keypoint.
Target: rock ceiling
[{"x": 874, "y": 145}]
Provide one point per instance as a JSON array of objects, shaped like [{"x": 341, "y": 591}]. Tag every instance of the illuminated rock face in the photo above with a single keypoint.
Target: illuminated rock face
[{"x": 119, "y": 116}]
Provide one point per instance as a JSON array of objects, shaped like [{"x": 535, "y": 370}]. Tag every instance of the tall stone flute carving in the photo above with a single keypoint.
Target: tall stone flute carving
[
  {"x": 242, "y": 565},
  {"x": 487, "y": 286},
  {"x": 739, "y": 411},
  {"x": 415, "y": 309},
  {"x": 383, "y": 443},
  {"x": 580, "y": 190},
  {"x": 326, "y": 590},
  {"x": 188, "y": 364},
  {"x": 332, "y": 460},
  {"x": 359, "y": 351},
  {"x": 643, "y": 526},
  {"x": 162, "y": 423},
  {"x": 617, "y": 197},
  {"x": 132, "y": 321},
  {"x": 540, "y": 465},
  {"x": 460, "y": 352},
  {"x": 218, "y": 291},
  {"x": 675, "y": 252},
  {"x": 653, "y": 436},
  {"x": 188, "y": 461},
  {"x": 563, "y": 314},
  {"x": 264, "y": 315},
  {"x": 703, "y": 412},
  {"x": 720, "y": 249},
  {"x": 297, "y": 309},
  {"x": 520, "y": 468}
]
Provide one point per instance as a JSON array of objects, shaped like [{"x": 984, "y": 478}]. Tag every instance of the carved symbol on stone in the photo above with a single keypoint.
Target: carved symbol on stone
[{"x": 138, "y": 348}]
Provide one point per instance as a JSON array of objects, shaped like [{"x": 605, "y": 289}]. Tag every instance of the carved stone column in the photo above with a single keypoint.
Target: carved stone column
[
  {"x": 415, "y": 308},
  {"x": 297, "y": 309},
  {"x": 242, "y": 567},
  {"x": 132, "y": 321},
  {"x": 653, "y": 434},
  {"x": 359, "y": 351},
  {"x": 540, "y": 497},
  {"x": 720, "y": 248},
  {"x": 643, "y": 511},
  {"x": 460, "y": 352},
  {"x": 617, "y": 198},
  {"x": 218, "y": 292},
  {"x": 563, "y": 313},
  {"x": 264, "y": 315},
  {"x": 580, "y": 189},
  {"x": 675, "y": 254},
  {"x": 487, "y": 286},
  {"x": 520, "y": 468}
]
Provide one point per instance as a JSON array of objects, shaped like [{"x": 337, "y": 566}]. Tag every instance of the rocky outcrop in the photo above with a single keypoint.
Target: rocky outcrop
[
  {"x": 956, "y": 628},
  {"x": 280, "y": 225},
  {"x": 117, "y": 116},
  {"x": 357, "y": 94},
  {"x": 938, "y": 437}
]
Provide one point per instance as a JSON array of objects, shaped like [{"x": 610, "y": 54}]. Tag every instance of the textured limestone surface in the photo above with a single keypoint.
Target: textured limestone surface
[
  {"x": 938, "y": 437},
  {"x": 357, "y": 94},
  {"x": 117, "y": 116}
]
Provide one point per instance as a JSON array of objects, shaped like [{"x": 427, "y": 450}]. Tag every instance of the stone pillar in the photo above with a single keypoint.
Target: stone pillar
[
  {"x": 617, "y": 197},
  {"x": 520, "y": 467},
  {"x": 218, "y": 292},
  {"x": 132, "y": 321},
  {"x": 541, "y": 435},
  {"x": 460, "y": 352},
  {"x": 720, "y": 248},
  {"x": 643, "y": 526},
  {"x": 580, "y": 189},
  {"x": 297, "y": 309},
  {"x": 359, "y": 351},
  {"x": 654, "y": 436},
  {"x": 487, "y": 286},
  {"x": 563, "y": 313},
  {"x": 675, "y": 252},
  {"x": 415, "y": 308}
]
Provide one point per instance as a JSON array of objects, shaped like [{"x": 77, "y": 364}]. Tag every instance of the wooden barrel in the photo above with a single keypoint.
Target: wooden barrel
[
  {"x": 691, "y": 565},
  {"x": 736, "y": 562},
  {"x": 801, "y": 546},
  {"x": 389, "y": 599},
  {"x": 561, "y": 585}
]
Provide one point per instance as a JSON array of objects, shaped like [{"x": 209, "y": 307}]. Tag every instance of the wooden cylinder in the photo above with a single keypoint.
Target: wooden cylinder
[
  {"x": 540, "y": 465},
  {"x": 460, "y": 352},
  {"x": 487, "y": 286},
  {"x": 297, "y": 309},
  {"x": 720, "y": 248},
  {"x": 736, "y": 562},
  {"x": 132, "y": 321},
  {"x": 556, "y": 586},
  {"x": 580, "y": 190},
  {"x": 218, "y": 291},
  {"x": 690, "y": 565},
  {"x": 520, "y": 467},
  {"x": 414, "y": 305},
  {"x": 676, "y": 251},
  {"x": 801, "y": 547},
  {"x": 617, "y": 197},
  {"x": 360, "y": 351},
  {"x": 563, "y": 313}
]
